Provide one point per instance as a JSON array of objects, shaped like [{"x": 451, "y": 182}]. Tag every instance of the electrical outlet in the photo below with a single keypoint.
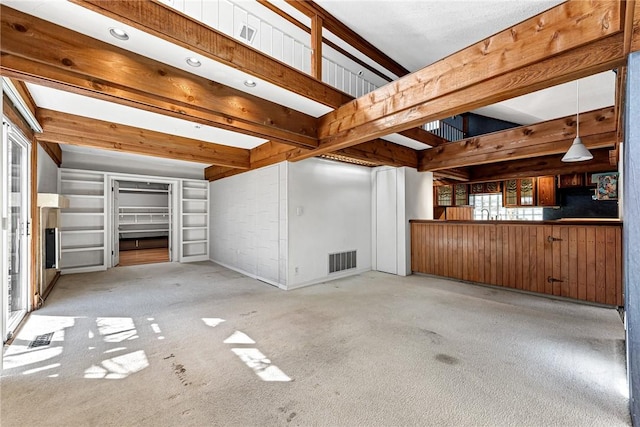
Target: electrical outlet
[{"x": 296, "y": 270}]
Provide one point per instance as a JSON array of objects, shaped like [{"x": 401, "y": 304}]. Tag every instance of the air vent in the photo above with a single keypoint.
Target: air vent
[
  {"x": 247, "y": 33},
  {"x": 41, "y": 340},
  {"x": 342, "y": 261}
]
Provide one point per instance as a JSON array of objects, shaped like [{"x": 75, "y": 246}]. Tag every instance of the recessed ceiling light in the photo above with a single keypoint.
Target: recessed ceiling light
[
  {"x": 119, "y": 33},
  {"x": 250, "y": 83},
  {"x": 194, "y": 62}
]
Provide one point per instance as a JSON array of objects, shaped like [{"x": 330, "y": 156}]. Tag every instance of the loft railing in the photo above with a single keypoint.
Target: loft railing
[{"x": 445, "y": 130}]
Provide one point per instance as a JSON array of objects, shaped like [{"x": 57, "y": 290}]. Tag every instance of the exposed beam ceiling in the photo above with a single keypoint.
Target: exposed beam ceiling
[
  {"x": 572, "y": 40},
  {"x": 31, "y": 50},
  {"x": 597, "y": 129},
  {"x": 65, "y": 128},
  {"x": 540, "y": 166}
]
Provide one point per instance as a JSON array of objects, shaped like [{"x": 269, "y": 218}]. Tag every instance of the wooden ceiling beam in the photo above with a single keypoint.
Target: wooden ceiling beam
[
  {"x": 572, "y": 40},
  {"x": 540, "y": 166},
  {"x": 456, "y": 174},
  {"x": 597, "y": 129},
  {"x": 63, "y": 128},
  {"x": 165, "y": 22},
  {"x": 39, "y": 51},
  {"x": 377, "y": 152},
  {"x": 346, "y": 34}
]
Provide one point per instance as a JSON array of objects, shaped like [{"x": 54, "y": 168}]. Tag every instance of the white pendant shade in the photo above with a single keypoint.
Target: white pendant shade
[{"x": 577, "y": 152}]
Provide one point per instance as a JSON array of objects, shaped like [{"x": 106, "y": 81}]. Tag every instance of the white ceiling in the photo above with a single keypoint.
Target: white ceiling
[{"x": 414, "y": 33}]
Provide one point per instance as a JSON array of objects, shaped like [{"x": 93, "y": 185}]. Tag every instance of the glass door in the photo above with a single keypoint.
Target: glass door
[{"x": 15, "y": 218}]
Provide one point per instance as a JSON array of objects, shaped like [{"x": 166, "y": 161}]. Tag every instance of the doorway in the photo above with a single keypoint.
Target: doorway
[
  {"x": 142, "y": 222},
  {"x": 15, "y": 192}
]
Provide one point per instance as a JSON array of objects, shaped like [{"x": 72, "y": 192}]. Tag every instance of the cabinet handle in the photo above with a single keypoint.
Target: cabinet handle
[
  {"x": 552, "y": 239},
  {"x": 554, "y": 280}
]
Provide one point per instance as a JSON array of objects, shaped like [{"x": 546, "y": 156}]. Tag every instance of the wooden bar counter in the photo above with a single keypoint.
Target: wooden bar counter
[{"x": 580, "y": 259}]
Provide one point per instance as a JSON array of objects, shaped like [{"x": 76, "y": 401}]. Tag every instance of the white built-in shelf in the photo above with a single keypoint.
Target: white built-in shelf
[
  {"x": 82, "y": 248},
  {"x": 194, "y": 213},
  {"x": 82, "y": 230},
  {"x": 184, "y": 199},
  {"x": 145, "y": 223},
  {"x": 160, "y": 208},
  {"x": 83, "y": 223},
  {"x": 200, "y": 227},
  {"x": 194, "y": 241},
  {"x": 141, "y": 190},
  {"x": 146, "y": 230}
]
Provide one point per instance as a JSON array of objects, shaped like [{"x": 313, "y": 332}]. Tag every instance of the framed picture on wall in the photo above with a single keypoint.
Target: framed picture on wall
[{"x": 606, "y": 185}]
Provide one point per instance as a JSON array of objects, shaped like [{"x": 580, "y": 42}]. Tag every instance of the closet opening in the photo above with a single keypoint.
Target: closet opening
[{"x": 142, "y": 223}]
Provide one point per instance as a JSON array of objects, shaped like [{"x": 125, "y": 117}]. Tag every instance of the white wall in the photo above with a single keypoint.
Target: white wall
[
  {"x": 132, "y": 164},
  {"x": 248, "y": 223},
  {"x": 47, "y": 172},
  {"x": 329, "y": 211}
]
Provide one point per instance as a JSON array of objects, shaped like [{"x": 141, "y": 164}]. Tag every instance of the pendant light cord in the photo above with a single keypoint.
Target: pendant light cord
[{"x": 577, "y": 108}]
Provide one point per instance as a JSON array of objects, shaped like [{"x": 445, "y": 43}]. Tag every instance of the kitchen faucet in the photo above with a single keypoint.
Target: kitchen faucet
[{"x": 482, "y": 214}]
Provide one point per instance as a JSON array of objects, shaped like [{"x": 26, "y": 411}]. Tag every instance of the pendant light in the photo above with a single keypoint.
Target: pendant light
[{"x": 577, "y": 152}]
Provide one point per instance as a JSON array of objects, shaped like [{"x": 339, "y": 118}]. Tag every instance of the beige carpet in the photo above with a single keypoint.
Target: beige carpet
[{"x": 199, "y": 345}]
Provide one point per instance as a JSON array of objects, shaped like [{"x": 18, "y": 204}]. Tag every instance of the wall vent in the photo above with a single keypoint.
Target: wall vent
[
  {"x": 247, "y": 33},
  {"x": 342, "y": 261}
]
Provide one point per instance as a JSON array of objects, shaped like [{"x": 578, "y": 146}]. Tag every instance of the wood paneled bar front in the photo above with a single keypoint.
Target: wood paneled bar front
[{"x": 574, "y": 259}]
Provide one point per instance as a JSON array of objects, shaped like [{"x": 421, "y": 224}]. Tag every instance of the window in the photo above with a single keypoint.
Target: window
[{"x": 489, "y": 206}]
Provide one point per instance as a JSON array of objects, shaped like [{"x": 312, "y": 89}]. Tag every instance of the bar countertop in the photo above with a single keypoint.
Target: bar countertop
[{"x": 565, "y": 221}]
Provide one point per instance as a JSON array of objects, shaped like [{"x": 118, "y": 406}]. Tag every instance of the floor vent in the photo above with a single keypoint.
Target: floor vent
[
  {"x": 247, "y": 33},
  {"x": 342, "y": 261},
  {"x": 41, "y": 340}
]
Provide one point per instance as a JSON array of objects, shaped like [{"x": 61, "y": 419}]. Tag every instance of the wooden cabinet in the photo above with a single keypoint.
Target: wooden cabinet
[
  {"x": 546, "y": 191},
  {"x": 571, "y": 180},
  {"x": 583, "y": 262},
  {"x": 485, "y": 187},
  {"x": 519, "y": 192},
  {"x": 451, "y": 195}
]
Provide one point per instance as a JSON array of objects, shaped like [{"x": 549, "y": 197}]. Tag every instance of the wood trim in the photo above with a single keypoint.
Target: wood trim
[
  {"x": 585, "y": 38},
  {"x": 35, "y": 224},
  {"x": 316, "y": 47},
  {"x": 31, "y": 51},
  {"x": 332, "y": 24},
  {"x": 25, "y": 94},
  {"x": 538, "y": 166},
  {"x": 70, "y": 129},
  {"x": 635, "y": 37},
  {"x": 162, "y": 21},
  {"x": 53, "y": 150},
  {"x": 50, "y": 286},
  {"x": 16, "y": 118},
  {"x": 426, "y": 137}
]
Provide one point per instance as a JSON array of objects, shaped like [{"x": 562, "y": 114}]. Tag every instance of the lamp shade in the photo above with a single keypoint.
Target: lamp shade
[{"x": 577, "y": 152}]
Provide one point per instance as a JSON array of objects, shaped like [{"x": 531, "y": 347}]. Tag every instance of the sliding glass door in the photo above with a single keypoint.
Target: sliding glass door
[{"x": 15, "y": 219}]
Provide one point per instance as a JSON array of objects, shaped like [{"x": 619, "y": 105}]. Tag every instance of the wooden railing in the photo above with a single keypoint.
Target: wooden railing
[{"x": 577, "y": 261}]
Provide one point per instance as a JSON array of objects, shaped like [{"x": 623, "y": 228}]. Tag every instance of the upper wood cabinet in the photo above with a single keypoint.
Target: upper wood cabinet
[
  {"x": 485, "y": 187},
  {"x": 571, "y": 180},
  {"x": 546, "y": 189},
  {"x": 519, "y": 192},
  {"x": 451, "y": 195}
]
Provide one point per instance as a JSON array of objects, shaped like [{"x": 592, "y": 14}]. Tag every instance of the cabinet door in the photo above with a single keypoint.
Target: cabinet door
[
  {"x": 444, "y": 195},
  {"x": 511, "y": 192},
  {"x": 546, "y": 191},
  {"x": 461, "y": 194},
  {"x": 527, "y": 187}
]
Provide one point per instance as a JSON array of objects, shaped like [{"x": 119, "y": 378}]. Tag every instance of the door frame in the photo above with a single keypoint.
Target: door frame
[
  {"x": 9, "y": 130},
  {"x": 174, "y": 191}
]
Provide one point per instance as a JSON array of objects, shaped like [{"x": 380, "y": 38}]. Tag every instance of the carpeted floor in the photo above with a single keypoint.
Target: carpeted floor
[{"x": 199, "y": 345}]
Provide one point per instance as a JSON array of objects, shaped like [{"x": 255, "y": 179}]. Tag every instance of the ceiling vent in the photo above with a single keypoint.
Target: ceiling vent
[{"x": 247, "y": 33}]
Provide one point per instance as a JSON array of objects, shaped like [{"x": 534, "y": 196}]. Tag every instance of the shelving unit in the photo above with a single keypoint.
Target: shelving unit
[
  {"x": 144, "y": 215},
  {"x": 82, "y": 232},
  {"x": 194, "y": 230}
]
